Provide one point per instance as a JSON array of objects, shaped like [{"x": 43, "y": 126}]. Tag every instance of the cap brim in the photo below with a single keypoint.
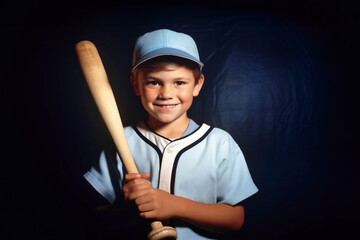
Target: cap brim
[{"x": 166, "y": 52}]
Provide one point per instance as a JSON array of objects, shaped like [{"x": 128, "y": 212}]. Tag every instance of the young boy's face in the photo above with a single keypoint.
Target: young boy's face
[{"x": 168, "y": 94}]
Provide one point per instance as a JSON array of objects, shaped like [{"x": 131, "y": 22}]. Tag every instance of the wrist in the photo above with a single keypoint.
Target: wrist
[{"x": 181, "y": 206}]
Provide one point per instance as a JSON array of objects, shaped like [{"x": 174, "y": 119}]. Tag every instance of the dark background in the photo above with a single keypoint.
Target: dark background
[{"x": 297, "y": 133}]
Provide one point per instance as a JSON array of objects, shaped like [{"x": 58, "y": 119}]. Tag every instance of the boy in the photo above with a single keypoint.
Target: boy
[{"x": 193, "y": 175}]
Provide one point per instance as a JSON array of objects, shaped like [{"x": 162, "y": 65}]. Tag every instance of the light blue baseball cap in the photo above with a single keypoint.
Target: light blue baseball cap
[{"x": 165, "y": 42}]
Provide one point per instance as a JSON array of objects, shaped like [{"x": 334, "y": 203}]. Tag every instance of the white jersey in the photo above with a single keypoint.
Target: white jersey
[{"x": 205, "y": 166}]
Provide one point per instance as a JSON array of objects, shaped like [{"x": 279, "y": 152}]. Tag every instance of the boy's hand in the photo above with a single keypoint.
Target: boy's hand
[
  {"x": 152, "y": 203},
  {"x": 135, "y": 182}
]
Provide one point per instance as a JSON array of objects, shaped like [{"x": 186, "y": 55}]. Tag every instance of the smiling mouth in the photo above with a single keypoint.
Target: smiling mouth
[{"x": 168, "y": 106}]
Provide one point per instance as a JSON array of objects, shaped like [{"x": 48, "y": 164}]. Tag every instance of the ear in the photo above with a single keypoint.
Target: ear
[
  {"x": 199, "y": 85},
  {"x": 135, "y": 85}
]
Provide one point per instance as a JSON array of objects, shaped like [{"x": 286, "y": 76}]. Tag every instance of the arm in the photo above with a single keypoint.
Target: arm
[
  {"x": 158, "y": 204},
  {"x": 211, "y": 217}
]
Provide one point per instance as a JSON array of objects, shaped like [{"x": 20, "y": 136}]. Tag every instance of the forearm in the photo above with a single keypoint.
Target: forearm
[
  {"x": 212, "y": 217},
  {"x": 158, "y": 204}
]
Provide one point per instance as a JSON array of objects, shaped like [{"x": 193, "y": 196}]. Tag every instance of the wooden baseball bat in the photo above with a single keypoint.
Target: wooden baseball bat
[{"x": 97, "y": 80}]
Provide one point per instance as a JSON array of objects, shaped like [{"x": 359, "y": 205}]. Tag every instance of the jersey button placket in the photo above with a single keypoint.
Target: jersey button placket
[
  {"x": 166, "y": 168},
  {"x": 169, "y": 150}
]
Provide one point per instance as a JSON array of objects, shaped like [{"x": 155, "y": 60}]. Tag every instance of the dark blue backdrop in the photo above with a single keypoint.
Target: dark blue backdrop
[{"x": 275, "y": 79}]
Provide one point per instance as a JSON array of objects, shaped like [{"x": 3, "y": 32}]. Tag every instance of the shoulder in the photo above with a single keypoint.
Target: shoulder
[
  {"x": 130, "y": 131},
  {"x": 132, "y": 135},
  {"x": 134, "y": 128},
  {"x": 221, "y": 135},
  {"x": 221, "y": 142}
]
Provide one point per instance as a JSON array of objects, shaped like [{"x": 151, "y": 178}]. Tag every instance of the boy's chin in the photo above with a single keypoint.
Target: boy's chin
[
  {"x": 165, "y": 120},
  {"x": 161, "y": 121}
]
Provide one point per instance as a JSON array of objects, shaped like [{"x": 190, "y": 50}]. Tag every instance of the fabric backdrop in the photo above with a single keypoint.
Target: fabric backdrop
[{"x": 267, "y": 83}]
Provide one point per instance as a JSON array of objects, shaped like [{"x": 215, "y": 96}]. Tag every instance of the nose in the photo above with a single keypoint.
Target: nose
[{"x": 166, "y": 92}]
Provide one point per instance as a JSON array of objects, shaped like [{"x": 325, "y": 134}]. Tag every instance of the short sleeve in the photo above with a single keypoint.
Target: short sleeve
[
  {"x": 234, "y": 183},
  {"x": 106, "y": 177}
]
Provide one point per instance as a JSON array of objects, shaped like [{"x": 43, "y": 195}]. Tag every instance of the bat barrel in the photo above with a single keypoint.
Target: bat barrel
[{"x": 97, "y": 80}]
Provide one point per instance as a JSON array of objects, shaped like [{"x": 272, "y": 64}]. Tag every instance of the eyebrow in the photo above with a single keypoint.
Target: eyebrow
[{"x": 148, "y": 78}]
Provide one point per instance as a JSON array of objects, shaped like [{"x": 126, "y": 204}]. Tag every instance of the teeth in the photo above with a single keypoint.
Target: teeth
[{"x": 166, "y": 106}]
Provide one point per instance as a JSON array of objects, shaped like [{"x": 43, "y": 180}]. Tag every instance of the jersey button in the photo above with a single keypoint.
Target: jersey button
[{"x": 170, "y": 150}]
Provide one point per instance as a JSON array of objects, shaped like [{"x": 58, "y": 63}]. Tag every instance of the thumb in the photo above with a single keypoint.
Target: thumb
[
  {"x": 131, "y": 176},
  {"x": 145, "y": 175}
]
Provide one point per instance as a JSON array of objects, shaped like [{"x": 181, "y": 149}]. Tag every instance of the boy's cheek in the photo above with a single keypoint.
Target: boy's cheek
[{"x": 148, "y": 95}]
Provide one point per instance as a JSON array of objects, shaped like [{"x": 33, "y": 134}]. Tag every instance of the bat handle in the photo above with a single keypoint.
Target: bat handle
[{"x": 161, "y": 232}]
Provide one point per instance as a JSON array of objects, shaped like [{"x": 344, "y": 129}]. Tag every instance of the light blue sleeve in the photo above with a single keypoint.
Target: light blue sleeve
[
  {"x": 234, "y": 183},
  {"x": 100, "y": 179}
]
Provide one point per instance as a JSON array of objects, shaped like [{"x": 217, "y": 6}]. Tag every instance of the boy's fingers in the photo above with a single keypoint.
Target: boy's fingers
[
  {"x": 136, "y": 184},
  {"x": 146, "y": 207},
  {"x": 139, "y": 186},
  {"x": 145, "y": 175},
  {"x": 138, "y": 194},
  {"x": 147, "y": 215},
  {"x": 131, "y": 176}
]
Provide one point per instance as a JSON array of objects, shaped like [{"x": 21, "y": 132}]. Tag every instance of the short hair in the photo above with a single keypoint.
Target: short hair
[{"x": 161, "y": 63}]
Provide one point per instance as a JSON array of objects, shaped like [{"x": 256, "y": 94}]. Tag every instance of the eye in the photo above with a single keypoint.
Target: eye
[
  {"x": 153, "y": 83},
  {"x": 180, "y": 83}
]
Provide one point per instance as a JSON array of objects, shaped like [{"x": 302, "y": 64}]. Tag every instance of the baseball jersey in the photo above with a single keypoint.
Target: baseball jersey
[{"x": 205, "y": 165}]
